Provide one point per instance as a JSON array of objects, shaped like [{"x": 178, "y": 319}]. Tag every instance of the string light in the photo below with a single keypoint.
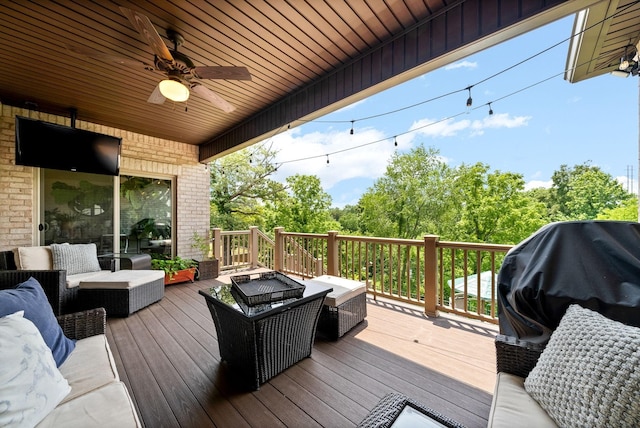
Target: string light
[
  {"x": 469, "y": 100},
  {"x": 395, "y": 141},
  {"x": 618, "y": 12}
]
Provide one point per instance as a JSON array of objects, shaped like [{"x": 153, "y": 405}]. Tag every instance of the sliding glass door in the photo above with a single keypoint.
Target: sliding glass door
[
  {"x": 146, "y": 214},
  {"x": 81, "y": 208}
]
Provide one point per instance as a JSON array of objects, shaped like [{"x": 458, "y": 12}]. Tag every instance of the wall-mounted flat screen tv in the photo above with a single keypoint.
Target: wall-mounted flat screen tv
[{"x": 48, "y": 145}]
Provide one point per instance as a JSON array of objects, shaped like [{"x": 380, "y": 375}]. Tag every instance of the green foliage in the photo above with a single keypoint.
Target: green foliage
[
  {"x": 305, "y": 207},
  {"x": 202, "y": 245},
  {"x": 173, "y": 265},
  {"x": 582, "y": 192},
  {"x": 411, "y": 199},
  {"x": 493, "y": 206},
  {"x": 240, "y": 185},
  {"x": 627, "y": 211}
]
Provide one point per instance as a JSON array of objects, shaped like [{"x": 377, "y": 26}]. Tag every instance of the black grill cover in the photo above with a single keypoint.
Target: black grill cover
[{"x": 593, "y": 263}]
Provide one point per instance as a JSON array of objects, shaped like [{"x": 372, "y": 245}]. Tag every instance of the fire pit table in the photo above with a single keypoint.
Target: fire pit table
[{"x": 260, "y": 341}]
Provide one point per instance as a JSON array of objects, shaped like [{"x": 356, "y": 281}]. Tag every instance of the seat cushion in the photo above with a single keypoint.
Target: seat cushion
[
  {"x": 589, "y": 372},
  {"x": 343, "y": 289},
  {"x": 108, "y": 406},
  {"x": 122, "y": 279},
  {"x": 31, "y": 386},
  {"x": 30, "y": 298},
  {"x": 513, "y": 407},
  {"x": 90, "y": 366},
  {"x": 75, "y": 280}
]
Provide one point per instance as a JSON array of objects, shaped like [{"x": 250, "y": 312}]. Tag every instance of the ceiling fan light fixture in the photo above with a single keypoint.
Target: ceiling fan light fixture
[{"x": 174, "y": 90}]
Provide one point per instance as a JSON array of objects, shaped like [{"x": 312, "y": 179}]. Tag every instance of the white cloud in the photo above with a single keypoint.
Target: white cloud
[
  {"x": 450, "y": 127},
  {"x": 534, "y": 184},
  {"x": 461, "y": 64},
  {"x": 369, "y": 161}
]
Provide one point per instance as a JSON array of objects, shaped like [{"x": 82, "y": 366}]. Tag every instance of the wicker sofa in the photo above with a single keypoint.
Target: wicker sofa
[
  {"x": 94, "y": 392},
  {"x": 120, "y": 292}
]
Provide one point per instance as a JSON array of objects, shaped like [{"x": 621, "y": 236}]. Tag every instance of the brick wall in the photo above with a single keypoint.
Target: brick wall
[{"x": 140, "y": 155}]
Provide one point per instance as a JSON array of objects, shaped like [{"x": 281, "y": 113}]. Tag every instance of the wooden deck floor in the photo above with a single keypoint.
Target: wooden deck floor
[{"x": 168, "y": 356}]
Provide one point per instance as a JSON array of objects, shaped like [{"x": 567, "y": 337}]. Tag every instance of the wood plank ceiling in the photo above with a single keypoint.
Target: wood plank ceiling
[{"x": 306, "y": 57}]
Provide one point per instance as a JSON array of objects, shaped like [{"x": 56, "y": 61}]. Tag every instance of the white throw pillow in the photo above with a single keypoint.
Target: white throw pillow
[
  {"x": 589, "y": 373},
  {"x": 33, "y": 258},
  {"x": 31, "y": 385}
]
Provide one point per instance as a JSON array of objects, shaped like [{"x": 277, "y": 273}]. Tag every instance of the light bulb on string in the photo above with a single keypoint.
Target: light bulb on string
[
  {"x": 490, "y": 110},
  {"x": 395, "y": 141},
  {"x": 469, "y": 100},
  {"x": 351, "y": 132},
  {"x": 327, "y": 159}
]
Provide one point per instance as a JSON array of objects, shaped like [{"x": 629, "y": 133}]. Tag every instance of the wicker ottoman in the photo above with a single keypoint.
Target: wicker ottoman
[
  {"x": 123, "y": 292},
  {"x": 344, "y": 307}
]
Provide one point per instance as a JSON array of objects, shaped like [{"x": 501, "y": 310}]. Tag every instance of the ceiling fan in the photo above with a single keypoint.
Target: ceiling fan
[{"x": 182, "y": 75}]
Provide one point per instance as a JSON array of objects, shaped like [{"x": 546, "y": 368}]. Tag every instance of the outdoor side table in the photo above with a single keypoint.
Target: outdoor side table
[
  {"x": 344, "y": 307},
  {"x": 258, "y": 342}
]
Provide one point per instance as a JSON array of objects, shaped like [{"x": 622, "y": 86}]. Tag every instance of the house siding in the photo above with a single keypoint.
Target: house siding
[{"x": 140, "y": 155}]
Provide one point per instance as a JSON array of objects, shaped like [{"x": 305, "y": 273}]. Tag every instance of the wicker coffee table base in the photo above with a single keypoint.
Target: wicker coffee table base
[{"x": 388, "y": 409}]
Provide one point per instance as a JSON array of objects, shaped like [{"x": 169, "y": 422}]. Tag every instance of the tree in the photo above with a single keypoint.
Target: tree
[
  {"x": 582, "y": 192},
  {"x": 348, "y": 217},
  {"x": 627, "y": 211},
  {"x": 239, "y": 184},
  {"x": 493, "y": 206},
  {"x": 412, "y": 199},
  {"x": 304, "y": 208}
]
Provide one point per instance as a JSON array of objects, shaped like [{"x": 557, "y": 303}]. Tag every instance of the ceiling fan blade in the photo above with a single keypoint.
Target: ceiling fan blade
[
  {"x": 214, "y": 72},
  {"x": 144, "y": 26},
  {"x": 212, "y": 97},
  {"x": 83, "y": 51},
  {"x": 156, "y": 97}
]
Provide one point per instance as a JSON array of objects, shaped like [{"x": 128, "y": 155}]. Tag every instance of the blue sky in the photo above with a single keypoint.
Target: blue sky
[{"x": 532, "y": 132}]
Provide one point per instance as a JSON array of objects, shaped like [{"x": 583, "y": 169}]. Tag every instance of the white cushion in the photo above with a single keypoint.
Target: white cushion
[
  {"x": 343, "y": 289},
  {"x": 77, "y": 258},
  {"x": 108, "y": 406},
  {"x": 122, "y": 279},
  {"x": 75, "y": 280},
  {"x": 589, "y": 372},
  {"x": 33, "y": 258},
  {"x": 513, "y": 407},
  {"x": 90, "y": 366},
  {"x": 31, "y": 385}
]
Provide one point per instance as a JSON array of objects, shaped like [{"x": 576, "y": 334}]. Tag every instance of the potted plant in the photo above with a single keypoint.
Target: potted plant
[
  {"x": 175, "y": 269},
  {"x": 207, "y": 265}
]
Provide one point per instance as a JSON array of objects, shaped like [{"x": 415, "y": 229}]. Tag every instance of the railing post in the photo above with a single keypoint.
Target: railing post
[
  {"x": 217, "y": 244},
  {"x": 430, "y": 275},
  {"x": 253, "y": 246},
  {"x": 278, "y": 264},
  {"x": 332, "y": 253}
]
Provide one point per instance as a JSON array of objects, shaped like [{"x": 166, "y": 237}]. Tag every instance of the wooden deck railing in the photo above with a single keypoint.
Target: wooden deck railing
[{"x": 457, "y": 277}]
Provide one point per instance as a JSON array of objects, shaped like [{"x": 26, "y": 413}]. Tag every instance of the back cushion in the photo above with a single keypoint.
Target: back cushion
[
  {"x": 77, "y": 258},
  {"x": 33, "y": 258}
]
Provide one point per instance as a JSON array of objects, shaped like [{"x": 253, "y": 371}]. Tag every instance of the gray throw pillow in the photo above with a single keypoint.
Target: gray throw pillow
[
  {"x": 589, "y": 373},
  {"x": 77, "y": 258}
]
